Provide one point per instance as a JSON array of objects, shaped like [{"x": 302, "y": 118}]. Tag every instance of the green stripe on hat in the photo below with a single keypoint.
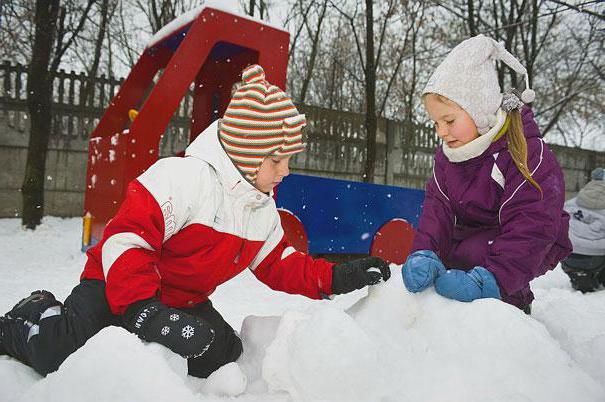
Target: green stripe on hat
[{"x": 260, "y": 120}]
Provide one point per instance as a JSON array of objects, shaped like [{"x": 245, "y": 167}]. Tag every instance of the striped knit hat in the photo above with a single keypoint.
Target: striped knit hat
[{"x": 261, "y": 120}]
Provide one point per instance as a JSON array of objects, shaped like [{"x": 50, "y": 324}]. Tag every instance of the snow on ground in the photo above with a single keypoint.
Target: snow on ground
[{"x": 383, "y": 345}]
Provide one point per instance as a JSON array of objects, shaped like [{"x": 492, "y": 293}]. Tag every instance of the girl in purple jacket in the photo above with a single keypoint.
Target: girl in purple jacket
[{"x": 492, "y": 218}]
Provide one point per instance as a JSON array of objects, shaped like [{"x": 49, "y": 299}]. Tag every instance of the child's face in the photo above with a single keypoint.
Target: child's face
[
  {"x": 271, "y": 172},
  {"x": 453, "y": 125}
]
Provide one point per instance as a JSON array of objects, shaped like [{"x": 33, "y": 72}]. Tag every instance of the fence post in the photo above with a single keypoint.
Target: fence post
[
  {"x": 60, "y": 78},
  {"x": 6, "y": 66},
  {"x": 592, "y": 164}
]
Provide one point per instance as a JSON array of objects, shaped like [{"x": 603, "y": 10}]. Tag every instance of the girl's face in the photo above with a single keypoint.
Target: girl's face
[
  {"x": 271, "y": 172},
  {"x": 453, "y": 125}
]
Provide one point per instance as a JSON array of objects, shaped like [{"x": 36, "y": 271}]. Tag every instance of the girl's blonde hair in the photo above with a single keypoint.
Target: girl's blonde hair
[{"x": 517, "y": 146}]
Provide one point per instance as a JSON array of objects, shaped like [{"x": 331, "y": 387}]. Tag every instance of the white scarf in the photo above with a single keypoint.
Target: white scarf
[{"x": 477, "y": 146}]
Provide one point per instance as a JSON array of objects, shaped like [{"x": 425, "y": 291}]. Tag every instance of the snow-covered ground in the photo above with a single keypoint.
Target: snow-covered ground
[{"x": 382, "y": 345}]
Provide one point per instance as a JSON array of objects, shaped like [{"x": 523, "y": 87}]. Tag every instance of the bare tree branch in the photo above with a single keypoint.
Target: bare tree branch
[{"x": 580, "y": 8}]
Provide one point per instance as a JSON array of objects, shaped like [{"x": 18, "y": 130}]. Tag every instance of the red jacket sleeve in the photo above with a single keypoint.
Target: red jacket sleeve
[
  {"x": 131, "y": 246},
  {"x": 283, "y": 268}
]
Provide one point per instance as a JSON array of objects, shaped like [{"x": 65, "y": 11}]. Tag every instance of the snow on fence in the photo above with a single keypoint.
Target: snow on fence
[{"x": 336, "y": 142}]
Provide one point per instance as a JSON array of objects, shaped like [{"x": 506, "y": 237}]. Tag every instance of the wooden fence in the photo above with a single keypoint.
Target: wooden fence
[{"x": 336, "y": 142}]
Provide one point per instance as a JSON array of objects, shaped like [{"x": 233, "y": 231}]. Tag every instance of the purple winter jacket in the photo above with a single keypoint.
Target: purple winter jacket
[{"x": 483, "y": 212}]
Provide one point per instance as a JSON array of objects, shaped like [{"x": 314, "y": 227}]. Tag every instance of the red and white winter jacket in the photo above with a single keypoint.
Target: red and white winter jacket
[{"x": 189, "y": 224}]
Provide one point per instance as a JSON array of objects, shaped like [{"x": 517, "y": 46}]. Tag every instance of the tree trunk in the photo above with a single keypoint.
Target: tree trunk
[
  {"x": 370, "y": 84},
  {"x": 472, "y": 27},
  {"x": 88, "y": 93},
  {"x": 314, "y": 48},
  {"x": 39, "y": 86},
  {"x": 159, "y": 12}
]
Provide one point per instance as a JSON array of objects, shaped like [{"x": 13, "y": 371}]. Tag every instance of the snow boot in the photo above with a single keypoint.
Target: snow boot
[
  {"x": 586, "y": 272},
  {"x": 584, "y": 280},
  {"x": 601, "y": 277},
  {"x": 31, "y": 307}
]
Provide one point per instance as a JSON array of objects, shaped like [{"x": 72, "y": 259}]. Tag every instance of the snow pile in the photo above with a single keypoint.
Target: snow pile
[
  {"x": 228, "y": 380},
  {"x": 577, "y": 321},
  {"x": 15, "y": 378},
  {"x": 393, "y": 345},
  {"x": 382, "y": 345},
  {"x": 324, "y": 355},
  {"x": 485, "y": 350},
  {"x": 115, "y": 365}
]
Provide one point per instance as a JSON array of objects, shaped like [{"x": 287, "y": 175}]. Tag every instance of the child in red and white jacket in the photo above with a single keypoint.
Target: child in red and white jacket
[{"x": 186, "y": 226}]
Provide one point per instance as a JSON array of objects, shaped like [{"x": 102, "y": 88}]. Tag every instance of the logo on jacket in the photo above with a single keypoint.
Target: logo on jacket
[
  {"x": 578, "y": 215},
  {"x": 169, "y": 219}
]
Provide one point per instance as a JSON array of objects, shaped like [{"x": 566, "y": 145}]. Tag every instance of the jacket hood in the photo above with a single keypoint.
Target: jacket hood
[
  {"x": 530, "y": 130},
  {"x": 592, "y": 196},
  {"x": 530, "y": 127},
  {"x": 208, "y": 148}
]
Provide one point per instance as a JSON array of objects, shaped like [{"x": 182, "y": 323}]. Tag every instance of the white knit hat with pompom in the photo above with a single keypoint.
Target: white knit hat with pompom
[{"x": 468, "y": 76}]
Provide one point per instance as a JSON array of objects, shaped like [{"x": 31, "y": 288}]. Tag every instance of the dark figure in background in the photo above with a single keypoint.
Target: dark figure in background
[{"x": 586, "y": 265}]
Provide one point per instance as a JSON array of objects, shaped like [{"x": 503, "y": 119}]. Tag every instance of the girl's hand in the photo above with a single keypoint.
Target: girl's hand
[
  {"x": 478, "y": 283},
  {"x": 420, "y": 270}
]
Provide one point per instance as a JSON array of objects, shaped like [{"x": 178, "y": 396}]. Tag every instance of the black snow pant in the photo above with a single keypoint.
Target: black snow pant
[
  {"x": 84, "y": 313},
  {"x": 586, "y": 272}
]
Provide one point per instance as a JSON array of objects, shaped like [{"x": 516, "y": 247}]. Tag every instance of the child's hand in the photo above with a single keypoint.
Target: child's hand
[
  {"x": 181, "y": 332},
  {"x": 420, "y": 270},
  {"x": 478, "y": 283},
  {"x": 356, "y": 274}
]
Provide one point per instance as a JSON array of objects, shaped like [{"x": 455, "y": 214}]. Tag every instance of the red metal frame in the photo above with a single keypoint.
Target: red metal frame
[{"x": 211, "y": 55}]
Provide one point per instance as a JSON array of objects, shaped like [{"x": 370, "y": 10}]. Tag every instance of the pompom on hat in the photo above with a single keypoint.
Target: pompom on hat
[
  {"x": 260, "y": 121},
  {"x": 468, "y": 76}
]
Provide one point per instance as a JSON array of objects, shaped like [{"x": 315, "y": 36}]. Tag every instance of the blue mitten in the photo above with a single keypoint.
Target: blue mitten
[
  {"x": 478, "y": 283},
  {"x": 420, "y": 270}
]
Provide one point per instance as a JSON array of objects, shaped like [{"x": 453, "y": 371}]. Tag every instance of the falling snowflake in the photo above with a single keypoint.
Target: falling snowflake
[
  {"x": 165, "y": 331},
  {"x": 188, "y": 332},
  {"x": 174, "y": 317}
]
